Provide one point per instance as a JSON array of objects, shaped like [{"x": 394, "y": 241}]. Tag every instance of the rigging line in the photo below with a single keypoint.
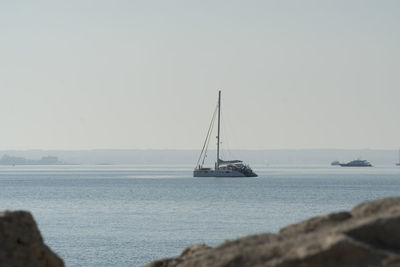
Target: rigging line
[
  {"x": 207, "y": 141},
  {"x": 207, "y": 137},
  {"x": 225, "y": 149}
]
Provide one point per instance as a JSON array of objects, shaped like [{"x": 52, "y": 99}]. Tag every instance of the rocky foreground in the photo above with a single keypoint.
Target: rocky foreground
[
  {"x": 21, "y": 244},
  {"x": 368, "y": 235}
]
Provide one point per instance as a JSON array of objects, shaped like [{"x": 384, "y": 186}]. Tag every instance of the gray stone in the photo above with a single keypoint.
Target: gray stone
[
  {"x": 21, "y": 244},
  {"x": 368, "y": 235}
]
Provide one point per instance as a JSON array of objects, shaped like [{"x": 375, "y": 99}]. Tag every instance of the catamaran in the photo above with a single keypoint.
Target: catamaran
[{"x": 223, "y": 168}]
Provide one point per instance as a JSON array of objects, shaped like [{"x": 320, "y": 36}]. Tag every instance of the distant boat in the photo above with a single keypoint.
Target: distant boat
[
  {"x": 335, "y": 163},
  {"x": 223, "y": 168},
  {"x": 398, "y": 163},
  {"x": 356, "y": 163}
]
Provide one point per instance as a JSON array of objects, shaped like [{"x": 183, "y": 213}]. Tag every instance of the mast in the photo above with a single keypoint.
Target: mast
[{"x": 219, "y": 119}]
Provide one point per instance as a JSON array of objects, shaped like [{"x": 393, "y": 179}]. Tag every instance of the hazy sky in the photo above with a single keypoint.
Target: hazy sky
[{"x": 82, "y": 74}]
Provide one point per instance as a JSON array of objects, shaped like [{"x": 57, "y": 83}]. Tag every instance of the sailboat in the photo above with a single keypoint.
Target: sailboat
[{"x": 223, "y": 168}]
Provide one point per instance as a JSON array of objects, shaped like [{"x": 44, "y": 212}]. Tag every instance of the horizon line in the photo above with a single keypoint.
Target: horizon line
[{"x": 191, "y": 149}]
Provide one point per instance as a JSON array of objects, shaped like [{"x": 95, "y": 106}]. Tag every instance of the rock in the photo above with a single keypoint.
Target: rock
[
  {"x": 21, "y": 243},
  {"x": 316, "y": 223},
  {"x": 368, "y": 235},
  {"x": 194, "y": 249},
  {"x": 376, "y": 207}
]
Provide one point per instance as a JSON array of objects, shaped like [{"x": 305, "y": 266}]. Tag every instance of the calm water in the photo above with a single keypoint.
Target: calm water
[{"x": 130, "y": 215}]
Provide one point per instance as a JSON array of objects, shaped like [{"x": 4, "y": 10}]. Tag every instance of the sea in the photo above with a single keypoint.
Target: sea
[{"x": 130, "y": 215}]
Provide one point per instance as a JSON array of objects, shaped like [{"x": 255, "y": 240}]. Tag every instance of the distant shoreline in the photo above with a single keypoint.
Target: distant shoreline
[{"x": 185, "y": 156}]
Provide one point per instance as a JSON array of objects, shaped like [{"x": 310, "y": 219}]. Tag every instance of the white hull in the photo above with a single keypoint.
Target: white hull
[{"x": 217, "y": 173}]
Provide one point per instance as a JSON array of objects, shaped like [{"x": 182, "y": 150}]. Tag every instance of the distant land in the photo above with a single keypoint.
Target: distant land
[
  {"x": 189, "y": 157},
  {"x": 13, "y": 160}
]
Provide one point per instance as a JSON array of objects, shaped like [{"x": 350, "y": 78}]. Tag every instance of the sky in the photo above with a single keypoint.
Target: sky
[{"x": 83, "y": 74}]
